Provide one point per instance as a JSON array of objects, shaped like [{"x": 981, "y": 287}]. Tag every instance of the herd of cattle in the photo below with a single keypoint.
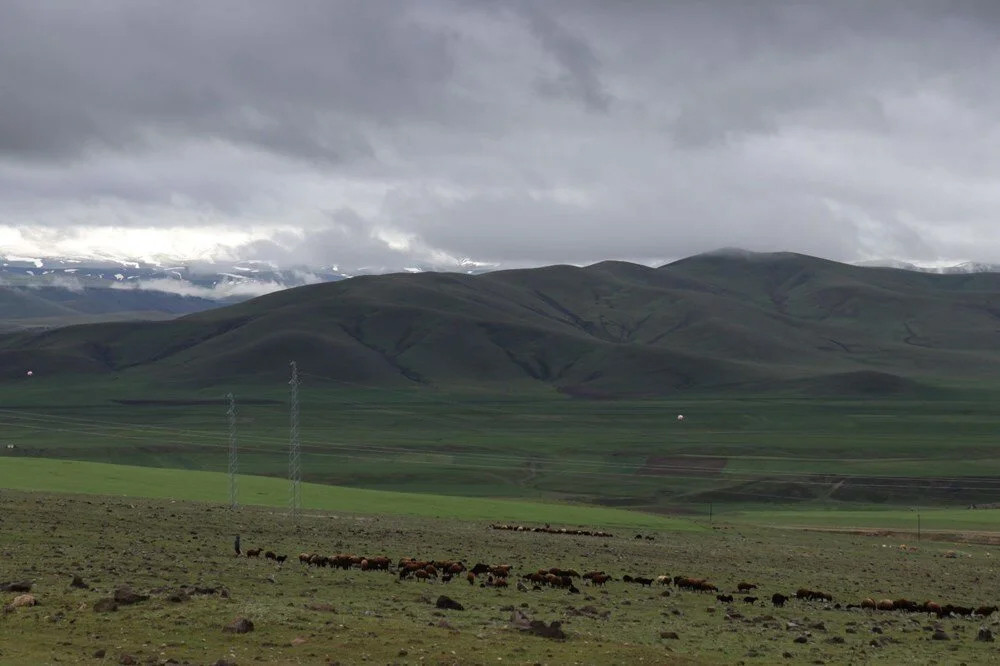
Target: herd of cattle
[{"x": 497, "y": 575}]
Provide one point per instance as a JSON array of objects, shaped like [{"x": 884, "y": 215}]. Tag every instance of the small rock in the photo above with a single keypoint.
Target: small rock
[
  {"x": 105, "y": 605},
  {"x": 78, "y": 583},
  {"x": 239, "y": 626},
  {"x": 836, "y": 640},
  {"x": 128, "y": 660},
  {"x": 876, "y": 630},
  {"x": 99, "y": 654},
  {"x": 125, "y": 595},
  {"x": 940, "y": 635},
  {"x": 298, "y": 640},
  {"x": 801, "y": 639},
  {"x": 787, "y": 655},
  {"x": 448, "y": 603},
  {"x": 984, "y": 635},
  {"x": 21, "y": 586},
  {"x": 669, "y": 635}
]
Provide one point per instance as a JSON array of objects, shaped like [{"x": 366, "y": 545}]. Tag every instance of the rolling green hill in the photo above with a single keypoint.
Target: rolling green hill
[{"x": 731, "y": 321}]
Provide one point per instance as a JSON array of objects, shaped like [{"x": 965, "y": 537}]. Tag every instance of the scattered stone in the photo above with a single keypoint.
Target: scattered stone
[
  {"x": 448, "y": 603},
  {"x": 984, "y": 635},
  {"x": 99, "y": 654},
  {"x": 22, "y": 586},
  {"x": 787, "y": 655},
  {"x": 876, "y": 630},
  {"x": 78, "y": 583},
  {"x": 224, "y": 662},
  {"x": 940, "y": 635},
  {"x": 125, "y": 596},
  {"x": 522, "y": 622},
  {"x": 326, "y": 608},
  {"x": 239, "y": 626},
  {"x": 444, "y": 624},
  {"x": 105, "y": 605},
  {"x": 298, "y": 640},
  {"x": 128, "y": 660},
  {"x": 819, "y": 626},
  {"x": 801, "y": 639},
  {"x": 669, "y": 635},
  {"x": 835, "y": 640}
]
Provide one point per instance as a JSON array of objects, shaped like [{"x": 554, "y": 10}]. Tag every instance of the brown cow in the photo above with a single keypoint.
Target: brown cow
[{"x": 254, "y": 552}]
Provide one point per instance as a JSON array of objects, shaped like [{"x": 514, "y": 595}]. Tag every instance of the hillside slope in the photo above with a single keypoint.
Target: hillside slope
[{"x": 722, "y": 320}]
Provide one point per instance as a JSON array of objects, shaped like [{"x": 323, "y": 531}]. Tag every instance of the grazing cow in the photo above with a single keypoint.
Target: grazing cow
[
  {"x": 600, "y": 579},
  {"x": 280, "y": 559},
  {"x": 663, "y": 580},
  {"x": 868, "y": 603},
  {"x": 253, "y": 552},
  {"x": 421, "y": 575},
  {"x": 778, "y": 599},
  {"x": 885, "y": 605},
  {"x": 269, "y": 555},
  {"x": 643, "y": 581},
  {"x": 813, "y": 595},
  {"x": 471, "y": 577},
  {"x": 724, "y": 598},
  {"x": 304, "y": 558},
  {"x": 480, "y": 568},
  {"x": 626, "y": 578},
  {"x": 745, "y": 587},
  {"x": 931, "y": 607},
  {"x": 985, "y": 611},
  {"x": 749, "y": 600},
  {"x": 446, "y": 578}
]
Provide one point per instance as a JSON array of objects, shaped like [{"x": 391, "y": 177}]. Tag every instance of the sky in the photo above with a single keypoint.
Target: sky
[{"x": 441, "y": 133}]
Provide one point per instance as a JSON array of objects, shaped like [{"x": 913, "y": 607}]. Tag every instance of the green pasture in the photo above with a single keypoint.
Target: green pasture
[
  {"x": 930, "y": 520},
  {"x": 532, "y": 445},
  {"x": 32, "y": 474}
]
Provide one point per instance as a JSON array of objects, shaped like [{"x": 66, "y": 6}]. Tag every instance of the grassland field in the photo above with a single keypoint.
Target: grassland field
[
  {"x": 787, "y": 452},
  {"x": 305, "y": 615}
]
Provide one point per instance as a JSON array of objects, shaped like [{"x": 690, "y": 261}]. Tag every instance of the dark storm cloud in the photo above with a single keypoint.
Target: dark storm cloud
[{"x": 384, "y": 133}]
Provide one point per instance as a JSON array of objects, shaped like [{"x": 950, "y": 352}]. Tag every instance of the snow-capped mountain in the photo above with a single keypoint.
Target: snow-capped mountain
[
  {"x": 965, "y": 267},
  {"x": 213, "y": 281}
]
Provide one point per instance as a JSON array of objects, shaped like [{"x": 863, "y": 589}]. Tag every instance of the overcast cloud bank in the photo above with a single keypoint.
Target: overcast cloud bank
[{"x": 499, "y": 133}]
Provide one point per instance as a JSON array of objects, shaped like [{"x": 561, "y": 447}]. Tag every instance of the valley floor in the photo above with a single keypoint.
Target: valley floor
[{"x": 320, "y": 615}]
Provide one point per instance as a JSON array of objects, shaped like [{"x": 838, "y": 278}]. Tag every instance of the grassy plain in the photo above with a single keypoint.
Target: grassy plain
[
  {"x": 66, "y": 476},
  {"x": 730, "y": 451},
  {"x": 321, "y": 616}
]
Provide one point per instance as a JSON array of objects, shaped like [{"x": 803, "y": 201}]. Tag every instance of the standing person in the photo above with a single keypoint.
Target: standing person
[{"x": 237, "y": 546}]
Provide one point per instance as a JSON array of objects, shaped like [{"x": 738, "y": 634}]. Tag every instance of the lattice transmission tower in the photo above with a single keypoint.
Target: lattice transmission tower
[
  {"x": 233, "y": 452},
  {"x": 294, "y": 452}
]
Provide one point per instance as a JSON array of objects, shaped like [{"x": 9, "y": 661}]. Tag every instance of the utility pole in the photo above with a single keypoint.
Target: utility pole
[
  {"x": 233, "y": 462},
  {"x": 294, "y": 454},
  {"x": 918, "y": 524}
]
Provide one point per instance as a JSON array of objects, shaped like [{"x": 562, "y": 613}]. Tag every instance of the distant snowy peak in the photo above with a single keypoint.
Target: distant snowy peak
[
  {"x": 218, "y": 281},
  {"x": 964, "y": 268}
]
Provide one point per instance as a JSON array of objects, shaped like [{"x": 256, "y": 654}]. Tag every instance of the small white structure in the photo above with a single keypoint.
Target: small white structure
[
  {"x": 30, "y": 372},
  {"x": 680, "y": 417},
  {"x": 10, "y": 446}
]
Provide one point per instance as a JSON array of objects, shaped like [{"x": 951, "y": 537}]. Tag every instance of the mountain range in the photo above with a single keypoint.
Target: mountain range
[{"x": 724, "y": 321}]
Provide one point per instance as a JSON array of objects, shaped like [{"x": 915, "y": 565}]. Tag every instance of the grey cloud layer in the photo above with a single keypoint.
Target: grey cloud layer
[{"x": 384, "y": 133}]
